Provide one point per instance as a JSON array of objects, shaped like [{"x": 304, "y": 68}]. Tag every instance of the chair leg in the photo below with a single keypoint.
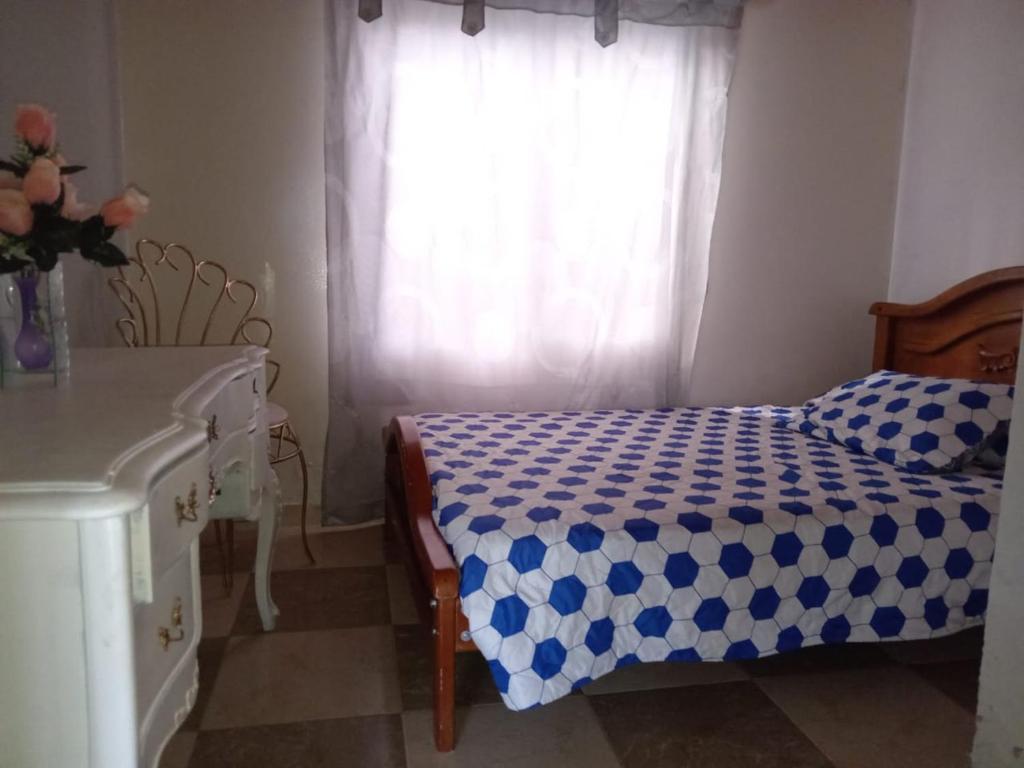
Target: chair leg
[
  {"x": 305, "y": 496},
  {"x": 277, "y": 434},
  {"x": 444, "y": 675},
  {"x": 224, "y": 556},
  {"x": 229, "y": 571}
]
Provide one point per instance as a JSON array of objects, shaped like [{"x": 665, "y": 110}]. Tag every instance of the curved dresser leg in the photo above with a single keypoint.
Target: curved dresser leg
[{"x": 270, "y": 519}]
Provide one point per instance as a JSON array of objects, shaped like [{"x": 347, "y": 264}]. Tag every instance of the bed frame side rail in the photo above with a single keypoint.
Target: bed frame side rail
[{"x": 433, "y": 574}]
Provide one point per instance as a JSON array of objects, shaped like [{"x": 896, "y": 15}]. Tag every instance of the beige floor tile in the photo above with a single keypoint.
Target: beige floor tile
[
  {"x": 956, "y": 679},
  {"x": 732, "y": 725},
  {"x": 210, "y": 655},
  {"x": 562, "y": 734},
  {"x": 883, "y": 717},
  {"x": 178, "y": 750},
  {"x": 331, "y": 548},
  {"x": 293, "y": 676},
  {"x": 324, "y": 598},
  {"x": 645, "y": 677},
  {"x": 220, "y": 608},
  {"x": 211, "y": 555},
  {"x": 474, "y": 683},
  {"x": 292, "y": 515},
  {"x": 350, "y": 742},
  {"x": 403, "y": 609}
]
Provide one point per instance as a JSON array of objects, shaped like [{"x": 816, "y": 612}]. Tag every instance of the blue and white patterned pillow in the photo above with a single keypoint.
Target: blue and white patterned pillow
[
  {"x": 919, "y": 423},
  {"x": 993, "y": 454}
]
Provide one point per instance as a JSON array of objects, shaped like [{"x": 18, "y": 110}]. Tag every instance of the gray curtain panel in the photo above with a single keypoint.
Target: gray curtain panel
[{"x": 606, "y": 13}]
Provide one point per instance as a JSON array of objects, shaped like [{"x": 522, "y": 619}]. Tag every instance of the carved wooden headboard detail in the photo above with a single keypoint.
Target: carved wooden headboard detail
[{"x": 970, "y": 331}]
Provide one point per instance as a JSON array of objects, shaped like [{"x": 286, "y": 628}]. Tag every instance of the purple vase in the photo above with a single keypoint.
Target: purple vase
[{"x": 32, "y": 347}]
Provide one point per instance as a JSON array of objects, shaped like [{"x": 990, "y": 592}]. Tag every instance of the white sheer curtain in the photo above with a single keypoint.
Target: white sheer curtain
[{"x": 516, "y": 220}]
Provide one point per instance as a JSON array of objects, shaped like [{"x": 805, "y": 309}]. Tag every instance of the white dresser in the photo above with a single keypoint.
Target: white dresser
[{"x": 105, "y": 484}]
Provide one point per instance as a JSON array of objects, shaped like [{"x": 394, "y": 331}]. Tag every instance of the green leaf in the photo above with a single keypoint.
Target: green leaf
[
  {"x": 10, "y": 264},
  {"x": 22, "y": 153},
  {"x": 92, "y": 232},
  {"x": 59, "y": 241},
  {"x": 47, "y": 260},
  {"x": 106, "y": 255},
  {"x": 13, "y": 247},
  {"x": 68, "y": 170},
  {"x": 17, "y": 170},
  {"x": 44, "y": 257},
  {"x": 52, "y": 232}
]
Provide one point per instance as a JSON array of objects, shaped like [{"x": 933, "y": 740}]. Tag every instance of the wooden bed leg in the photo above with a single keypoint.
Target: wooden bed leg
[{"x": 444, "y": 675}]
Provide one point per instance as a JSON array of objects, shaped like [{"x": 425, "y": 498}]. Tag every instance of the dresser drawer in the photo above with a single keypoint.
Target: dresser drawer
[
  {"x": 177, "y": 511},
  {"x": 166, "y": 633},
  {"x": 234, "y": 449},
  {"x": 233, "y": 409}
]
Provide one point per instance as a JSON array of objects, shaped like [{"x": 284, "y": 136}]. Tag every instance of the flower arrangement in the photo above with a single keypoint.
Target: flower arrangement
[{"x": 40, "y": 214}]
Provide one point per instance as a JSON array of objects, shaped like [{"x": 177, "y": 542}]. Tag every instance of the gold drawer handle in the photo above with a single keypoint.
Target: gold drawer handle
[
  {"x": 214, "y": 490},
  {"x": 187, "y": 510},
  {"x": 164, "y": 634},
  {"x": 211, "y": 429}
]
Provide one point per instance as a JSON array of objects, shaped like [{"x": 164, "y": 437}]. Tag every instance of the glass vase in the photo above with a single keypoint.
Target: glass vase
[{"x": 33, "y": 329}]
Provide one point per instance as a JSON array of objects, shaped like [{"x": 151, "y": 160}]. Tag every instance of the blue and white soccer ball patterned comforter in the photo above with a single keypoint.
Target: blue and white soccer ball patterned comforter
[{"x": 589, "y": 541}]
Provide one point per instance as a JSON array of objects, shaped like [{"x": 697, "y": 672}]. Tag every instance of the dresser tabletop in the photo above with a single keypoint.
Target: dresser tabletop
[{"x": 117, "y": 402}]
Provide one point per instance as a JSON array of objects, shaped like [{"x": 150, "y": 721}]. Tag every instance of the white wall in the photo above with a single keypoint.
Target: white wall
[
  {"x": 61, "y": 55},
  {"x": 222, "y": 125},
  {"x": 961, "y": 197},
  {"x": 960, "y": 211},
  {"x": 999, "y": 740},
  {"x": 803, "y": 234},
  {"x": 223, "y": 116}
]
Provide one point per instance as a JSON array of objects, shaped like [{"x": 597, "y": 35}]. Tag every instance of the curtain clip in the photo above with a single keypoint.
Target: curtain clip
[
  {"x": 472, "y": 16},
  {"x": 606, "y": 21},
  {"x": 370, "y": 10}
]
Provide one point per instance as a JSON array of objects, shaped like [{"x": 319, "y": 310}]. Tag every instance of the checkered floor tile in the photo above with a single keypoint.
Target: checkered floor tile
[{"x": 345, "y": 681}]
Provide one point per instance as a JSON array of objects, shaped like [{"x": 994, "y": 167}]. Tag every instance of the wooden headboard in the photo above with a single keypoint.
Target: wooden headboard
[{"x": 971, "y": 331}]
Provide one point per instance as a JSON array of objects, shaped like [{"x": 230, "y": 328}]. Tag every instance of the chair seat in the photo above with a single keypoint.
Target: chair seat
[{"x": 277, "y": 416}]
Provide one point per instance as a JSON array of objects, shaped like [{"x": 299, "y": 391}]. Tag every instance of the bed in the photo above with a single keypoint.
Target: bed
[{"x": 564, "y": 545}]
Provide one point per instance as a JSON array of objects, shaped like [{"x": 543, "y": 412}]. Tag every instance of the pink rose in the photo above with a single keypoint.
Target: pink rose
[
  {"x": 122, "y": 211},
  {"x": 9, "y": 181},
  {"x": 15, "y": 213},
  {"x": 74, "y": 209},
  {"x": 42, "y": 182},
  {"x": 35, "y": 125}
]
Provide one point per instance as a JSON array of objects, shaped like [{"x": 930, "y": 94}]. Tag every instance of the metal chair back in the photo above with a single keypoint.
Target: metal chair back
[{"x": 171, "y": 298}]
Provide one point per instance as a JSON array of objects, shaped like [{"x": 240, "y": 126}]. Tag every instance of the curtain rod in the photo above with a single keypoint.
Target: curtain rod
[{"x": 606, "y": 13}]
